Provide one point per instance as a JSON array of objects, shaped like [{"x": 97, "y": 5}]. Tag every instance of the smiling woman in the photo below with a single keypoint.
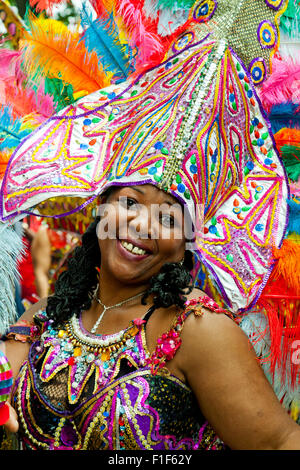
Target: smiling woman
[{"x": 128, "y": 353}]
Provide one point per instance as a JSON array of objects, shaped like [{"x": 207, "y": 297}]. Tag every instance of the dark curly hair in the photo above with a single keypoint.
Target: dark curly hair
[{"x": 75, "y": 287}]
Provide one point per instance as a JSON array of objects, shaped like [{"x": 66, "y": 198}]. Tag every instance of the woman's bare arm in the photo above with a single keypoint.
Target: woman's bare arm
[{"x": 232, "y": 390}]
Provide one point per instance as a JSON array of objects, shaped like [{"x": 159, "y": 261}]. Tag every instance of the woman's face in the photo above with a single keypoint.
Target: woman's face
[{"x": 141, "y": 228}]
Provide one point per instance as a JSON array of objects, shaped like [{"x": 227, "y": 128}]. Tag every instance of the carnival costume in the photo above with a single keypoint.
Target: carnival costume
[{"x": 175, "y": 106}]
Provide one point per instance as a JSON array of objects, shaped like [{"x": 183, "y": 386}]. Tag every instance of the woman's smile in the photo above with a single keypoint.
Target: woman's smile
[{"x": 132, "y": 250}]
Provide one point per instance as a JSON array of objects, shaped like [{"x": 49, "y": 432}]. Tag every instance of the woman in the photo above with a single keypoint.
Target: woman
[
  {"x": 213, "y": 365},
  {"x": 125, "y": 361}
]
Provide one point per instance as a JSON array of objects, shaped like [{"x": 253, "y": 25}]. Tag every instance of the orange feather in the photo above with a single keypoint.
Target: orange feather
[{"x": 50, "y": 49}]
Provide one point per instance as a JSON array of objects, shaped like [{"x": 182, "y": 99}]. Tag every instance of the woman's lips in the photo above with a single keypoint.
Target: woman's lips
[{"x": 129, "y": 254}]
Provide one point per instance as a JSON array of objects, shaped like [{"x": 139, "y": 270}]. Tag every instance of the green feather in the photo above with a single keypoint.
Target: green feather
[
  {"x": 291, "y": 160},
  {"x": 61, "y": 92},
  {"x": 170, "y": 4}
]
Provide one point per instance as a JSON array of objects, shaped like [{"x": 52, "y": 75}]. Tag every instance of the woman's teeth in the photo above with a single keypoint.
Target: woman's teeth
[{"x": 133, "y": 249}]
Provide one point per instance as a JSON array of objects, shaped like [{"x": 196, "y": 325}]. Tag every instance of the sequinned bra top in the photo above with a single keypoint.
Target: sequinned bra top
[{"x": 82, "y": 391}]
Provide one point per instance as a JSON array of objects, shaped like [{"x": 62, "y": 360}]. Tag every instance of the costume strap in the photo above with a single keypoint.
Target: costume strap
[
  {"x": 168, "y": 343},
  {"x": 24, "y": 331}
]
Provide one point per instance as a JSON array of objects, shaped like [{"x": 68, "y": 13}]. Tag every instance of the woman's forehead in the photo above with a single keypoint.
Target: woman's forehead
[{"x": 148, "y": 191}]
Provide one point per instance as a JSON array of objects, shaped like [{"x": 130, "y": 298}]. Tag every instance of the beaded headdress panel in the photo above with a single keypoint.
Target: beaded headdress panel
[{"x": 194, "y": 127}]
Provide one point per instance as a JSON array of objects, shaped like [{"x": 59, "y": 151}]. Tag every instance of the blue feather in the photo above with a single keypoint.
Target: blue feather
[
  {"x": 102, "y": 37},
  {"x": 11, "y": 133},
  {"x": 294, "y": 215},
  {"x": 284, "y": 115}
]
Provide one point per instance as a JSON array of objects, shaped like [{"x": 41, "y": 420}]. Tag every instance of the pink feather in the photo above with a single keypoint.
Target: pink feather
[
  {"x": 23, "y": 101},
  {"x": 141, "y": 31},
  {"x": 10, "y": 65},
  {"x": 283, "y": 84},
  {"x": 27, "y": 102},
  {"x": 295, "y": 188}
]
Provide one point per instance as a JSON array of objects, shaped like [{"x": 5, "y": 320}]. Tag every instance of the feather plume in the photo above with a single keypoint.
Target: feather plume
[
  {"x": 291, "y": 159},
  {"x": 28, "y": 101},
  {"x": 103, "y": 8},
  {"x": 284, "y": 115},
  {"x": 11, "y": 131},
  {"x": 62, "y": 93},
  {"x": 295, "y": 188},
  {"x": 4, "y": 159},
  {"x": 287, "y": 136},
  {"x": 102, "y": 37},
  {"x": 11, "y": 250},
  {"x": 141, "y": 31},
  {"x": 283, "y": 84},
  {"x": 280, "y": 303},
  {"x": 51, "y": 50},
  {"x": 9, "y": 61},
  {"x": 294, "y": 216},
  {"x": 178, "y": 4},
  {"x": 287, "y": 265}
]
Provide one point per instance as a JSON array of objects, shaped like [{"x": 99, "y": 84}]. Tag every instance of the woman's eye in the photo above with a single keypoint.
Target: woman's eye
[
  {"x": 167, "y": 220},
  {"x": 128, "y": 202}
]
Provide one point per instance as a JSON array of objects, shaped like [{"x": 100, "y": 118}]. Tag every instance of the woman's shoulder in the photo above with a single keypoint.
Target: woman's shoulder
[
  {"x": 205, "y": 318},
  {"x": 200, "y": 303},
  {"x": 30, "y": 313},
  {"x": 207, "y": 324}
]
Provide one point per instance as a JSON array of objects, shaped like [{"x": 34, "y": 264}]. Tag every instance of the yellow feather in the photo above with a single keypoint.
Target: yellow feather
[{"x": 50, "y": 49}]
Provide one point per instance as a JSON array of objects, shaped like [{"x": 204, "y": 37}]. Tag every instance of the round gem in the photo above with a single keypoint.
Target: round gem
[
  {"x": 212, "y": 229},
  {"x": 181, "y": 188},
  {"x": 158, "y": 145},
  {"x": 87, "y": 122},
  {"x": 250, "y": 165}
]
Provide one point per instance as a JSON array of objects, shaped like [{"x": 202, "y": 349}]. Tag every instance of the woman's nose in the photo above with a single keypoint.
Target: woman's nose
[{"x": 142, "y": 225}]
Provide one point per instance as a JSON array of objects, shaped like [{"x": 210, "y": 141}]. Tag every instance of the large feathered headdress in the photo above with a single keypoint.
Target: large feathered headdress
[{"x": 187, "y": 120}]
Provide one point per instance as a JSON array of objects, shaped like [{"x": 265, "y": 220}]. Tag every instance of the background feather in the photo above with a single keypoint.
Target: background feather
[
  {"x": 283, "y": 84},
  {"x": 10, "y": 252},
  {"x": 291, "y": 158},
  {"x": 11, "y": 130},
  {"x": 294, "y": 215},
  {"x": 51, "y": 50},
  {"x": 101, "y": 35},
  {"x": 141, "y": 32},
  {"x": 284, "y": 115}
]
